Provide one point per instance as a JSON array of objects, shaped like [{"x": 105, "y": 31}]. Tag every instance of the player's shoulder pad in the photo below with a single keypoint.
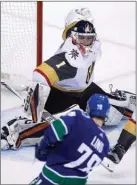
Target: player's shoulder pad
[{"x": 62, "y": 67}]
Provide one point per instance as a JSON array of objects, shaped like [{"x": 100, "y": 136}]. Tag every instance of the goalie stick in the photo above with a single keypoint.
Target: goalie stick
[
  {"x": 11, "y": 89},
  {"x": 47, "y": 116}
]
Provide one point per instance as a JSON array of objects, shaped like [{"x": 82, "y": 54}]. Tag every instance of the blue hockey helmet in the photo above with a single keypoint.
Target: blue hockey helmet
[{"x": 98, "y": 106}]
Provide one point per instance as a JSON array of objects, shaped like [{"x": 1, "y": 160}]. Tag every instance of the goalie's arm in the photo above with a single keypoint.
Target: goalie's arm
[{"x": 53, "y": 70}]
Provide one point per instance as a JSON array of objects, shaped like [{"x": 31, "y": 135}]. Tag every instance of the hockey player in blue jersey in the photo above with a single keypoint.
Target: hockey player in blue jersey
[{"x": 74, "y": 144}]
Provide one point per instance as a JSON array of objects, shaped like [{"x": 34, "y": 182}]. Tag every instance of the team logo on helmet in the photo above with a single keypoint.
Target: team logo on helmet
[{"x": 88, "y": 28}]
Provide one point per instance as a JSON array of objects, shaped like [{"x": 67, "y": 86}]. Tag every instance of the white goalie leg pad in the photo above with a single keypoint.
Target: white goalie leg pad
[
  {"x": 35, "y": 101},
  {"x": 19, "y": 132},
  {"x": 46, "y": 116},
  {"x": 73, "y": 107},
  {"x": 114, "y": 117}
]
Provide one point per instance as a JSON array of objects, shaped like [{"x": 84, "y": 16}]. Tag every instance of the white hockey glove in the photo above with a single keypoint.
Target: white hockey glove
[
  {"x": 35, "y": 101},
  {"x": 124, "y": 99},
  {"x": 122, "y": 104}
]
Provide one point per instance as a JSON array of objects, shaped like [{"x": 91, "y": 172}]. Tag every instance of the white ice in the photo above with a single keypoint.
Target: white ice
[{"x": 115, "y": 24}]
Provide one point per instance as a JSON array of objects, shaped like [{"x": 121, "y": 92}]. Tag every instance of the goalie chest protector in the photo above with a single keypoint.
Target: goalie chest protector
[{"x": 68, "y": 69}]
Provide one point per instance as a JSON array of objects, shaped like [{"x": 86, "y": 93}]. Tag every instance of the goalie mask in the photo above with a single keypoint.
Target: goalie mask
[
  {"x": 84, "y": 35},
  {"x": 79, "y": 26}
]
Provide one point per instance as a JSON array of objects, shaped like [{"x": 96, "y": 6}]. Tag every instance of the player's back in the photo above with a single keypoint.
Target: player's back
[{"x": 83, "y": 147}]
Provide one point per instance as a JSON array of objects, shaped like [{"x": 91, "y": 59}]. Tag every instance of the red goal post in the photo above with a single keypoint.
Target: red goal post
[
  {"x": 39, "y": 31},
  {"x": 21, "y": 40}
]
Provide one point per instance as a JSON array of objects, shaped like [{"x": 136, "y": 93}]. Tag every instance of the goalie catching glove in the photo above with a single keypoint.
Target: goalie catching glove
[{"x": 122, "y": 106}]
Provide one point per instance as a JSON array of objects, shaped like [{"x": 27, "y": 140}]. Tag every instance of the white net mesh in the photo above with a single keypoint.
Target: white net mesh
[{"x": 18, "y": 39}]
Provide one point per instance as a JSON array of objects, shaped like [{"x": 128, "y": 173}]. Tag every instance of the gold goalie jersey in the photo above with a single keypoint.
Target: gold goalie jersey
[{"x": 68, "y": 70}]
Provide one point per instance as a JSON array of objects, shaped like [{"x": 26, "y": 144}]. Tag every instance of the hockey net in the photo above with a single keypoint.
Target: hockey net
[{"x": 21, "y": 41}]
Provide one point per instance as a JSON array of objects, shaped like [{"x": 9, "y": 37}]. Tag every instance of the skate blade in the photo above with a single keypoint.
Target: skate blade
[{"x": 108, "y": 164}]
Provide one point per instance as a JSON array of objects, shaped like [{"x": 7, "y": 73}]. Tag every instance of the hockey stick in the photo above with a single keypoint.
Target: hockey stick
[
  {"x": 46, "y": 116},
  {"x": 11, "y": 90}
]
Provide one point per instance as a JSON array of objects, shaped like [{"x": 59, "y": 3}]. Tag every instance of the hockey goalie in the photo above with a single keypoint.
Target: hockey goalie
[{"x": 65, "y": 82}]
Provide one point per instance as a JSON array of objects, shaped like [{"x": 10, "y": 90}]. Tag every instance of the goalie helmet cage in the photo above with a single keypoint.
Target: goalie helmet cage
[{"x": 21, "y": 40}]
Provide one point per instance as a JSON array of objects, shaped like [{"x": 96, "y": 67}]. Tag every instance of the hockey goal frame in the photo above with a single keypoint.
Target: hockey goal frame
[{"x": 39, "y": 40}]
